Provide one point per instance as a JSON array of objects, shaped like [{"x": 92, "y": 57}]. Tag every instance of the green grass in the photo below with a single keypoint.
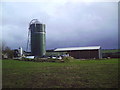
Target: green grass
[
  {"x": 110, "y": 50},
  {"x": 74, "y": 74}
]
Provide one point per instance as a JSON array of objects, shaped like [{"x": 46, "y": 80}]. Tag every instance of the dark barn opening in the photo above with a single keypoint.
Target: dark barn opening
[
  {"x": 84, "y": 54},
  {"x": 93, "y": 52}
]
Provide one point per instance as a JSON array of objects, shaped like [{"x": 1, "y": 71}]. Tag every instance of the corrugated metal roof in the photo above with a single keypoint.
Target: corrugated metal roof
[{"x": 78, "y": 48}]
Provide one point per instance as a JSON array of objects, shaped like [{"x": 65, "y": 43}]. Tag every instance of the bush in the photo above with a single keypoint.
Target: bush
[{"x": 67, "y": 59}]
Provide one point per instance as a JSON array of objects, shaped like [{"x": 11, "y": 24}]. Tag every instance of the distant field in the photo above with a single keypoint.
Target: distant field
[
  {"x": 74, "y": 74},
  {"x": 110, "y": 50}
]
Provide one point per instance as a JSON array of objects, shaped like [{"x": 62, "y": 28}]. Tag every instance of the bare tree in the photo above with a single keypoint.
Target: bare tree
[
  {"x": 7, "y": 50},
  {"x": 3, "y": 45}
]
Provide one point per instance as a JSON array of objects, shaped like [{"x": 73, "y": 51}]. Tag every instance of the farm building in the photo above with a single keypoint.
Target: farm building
[{"x": 82, "y": 52}]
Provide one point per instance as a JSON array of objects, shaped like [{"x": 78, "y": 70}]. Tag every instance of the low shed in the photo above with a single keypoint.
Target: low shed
[{"x": 82, "y": 52}]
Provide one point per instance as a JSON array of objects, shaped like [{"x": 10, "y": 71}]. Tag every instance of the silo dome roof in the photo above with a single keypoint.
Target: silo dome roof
[{"x": 35, "y": 21}]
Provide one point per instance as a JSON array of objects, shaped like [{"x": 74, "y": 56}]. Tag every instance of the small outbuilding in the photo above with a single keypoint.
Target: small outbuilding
[{"x": 91, "y": 52}]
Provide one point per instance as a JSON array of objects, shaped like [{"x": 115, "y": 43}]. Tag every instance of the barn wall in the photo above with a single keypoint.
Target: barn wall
[{"x": 84, "y": 54}]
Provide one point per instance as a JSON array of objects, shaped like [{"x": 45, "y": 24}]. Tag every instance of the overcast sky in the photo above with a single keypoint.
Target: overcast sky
[{"x": 68, "y": 24}]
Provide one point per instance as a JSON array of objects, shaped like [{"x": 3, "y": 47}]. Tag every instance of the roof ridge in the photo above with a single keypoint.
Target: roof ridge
[
  {"x": 81, "y": 47},
  {"x": 77, "y": 48}
]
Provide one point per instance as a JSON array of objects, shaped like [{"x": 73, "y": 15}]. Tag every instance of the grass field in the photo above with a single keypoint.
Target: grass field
[
  {"x": 110, "y": 50},
  {"x": 73, "y": 74}
]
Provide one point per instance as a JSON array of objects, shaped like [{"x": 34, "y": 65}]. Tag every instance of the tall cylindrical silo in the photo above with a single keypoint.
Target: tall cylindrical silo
[{"x": 38, "y": 38}]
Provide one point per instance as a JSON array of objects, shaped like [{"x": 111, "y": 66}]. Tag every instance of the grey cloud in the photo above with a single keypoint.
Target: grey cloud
[{"x": 67, "y": 25}]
